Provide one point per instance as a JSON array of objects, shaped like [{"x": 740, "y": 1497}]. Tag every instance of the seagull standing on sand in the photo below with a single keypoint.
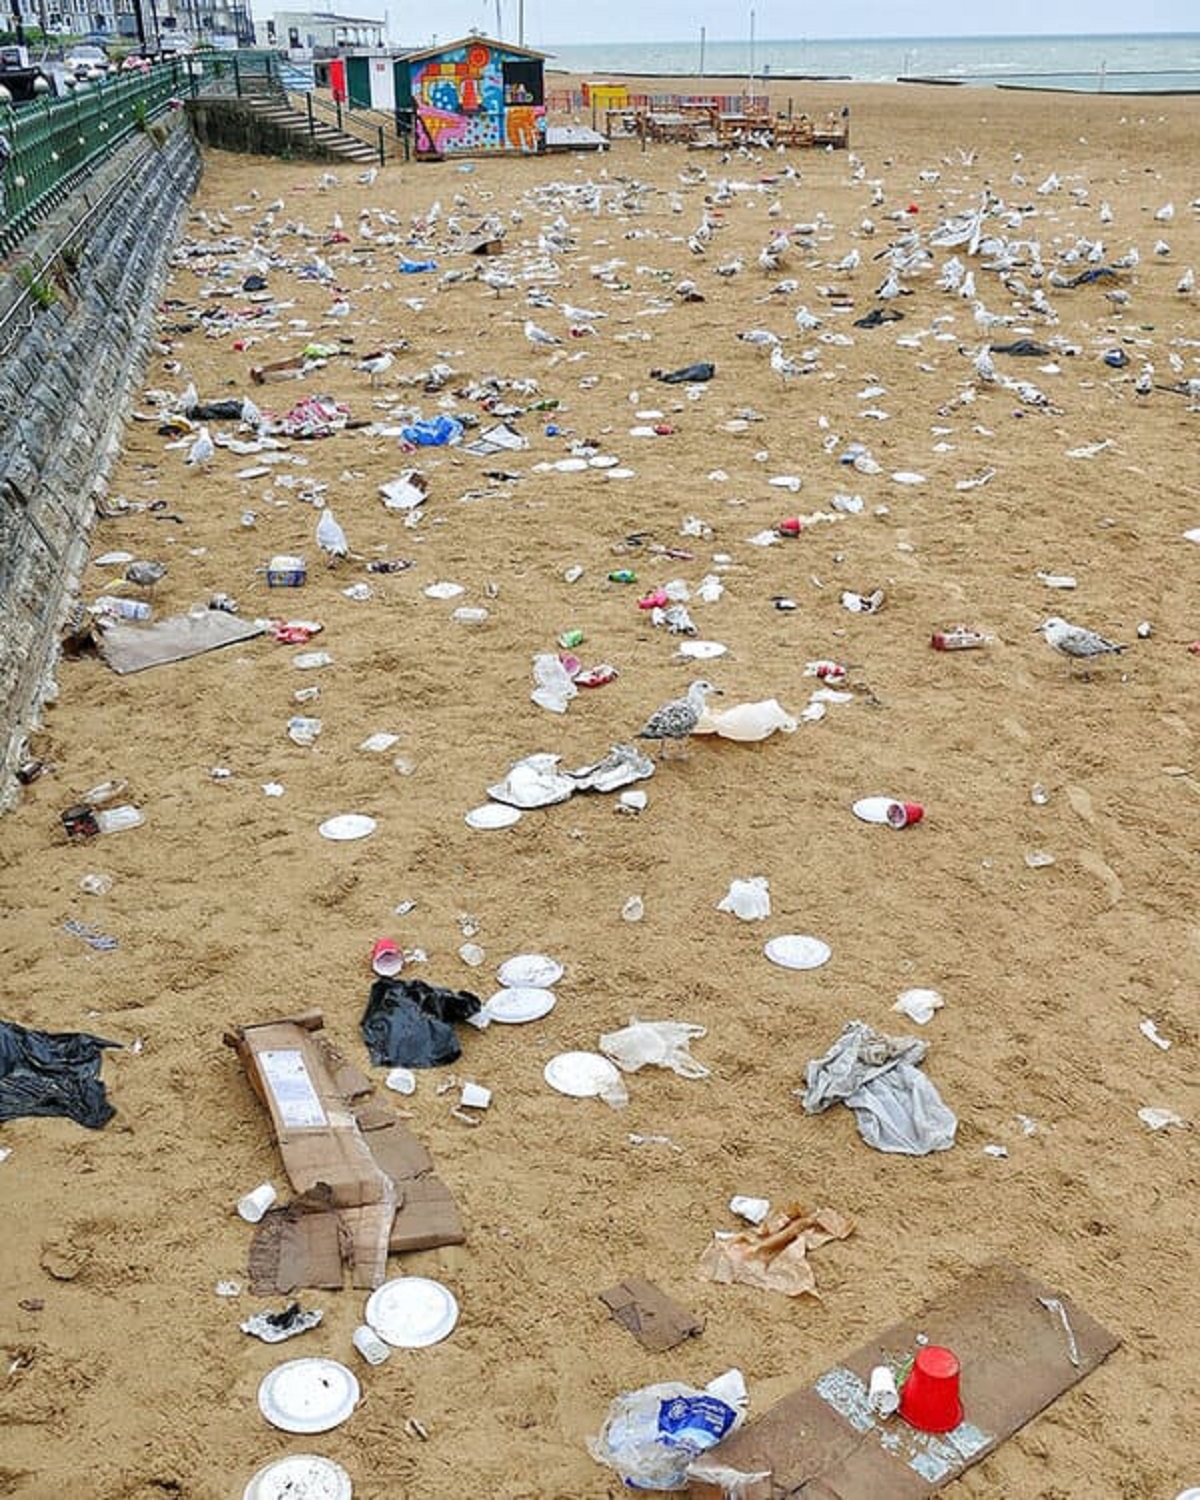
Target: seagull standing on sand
[
  {"x": 1076, "y": 642},
  {"x": 202, "y": 450},
  {"x": 677, "y": 720},
  {"x": 538, "y": 336},
  {"x": 331, "y": 538},
  {"x": 376, "y": 364}
]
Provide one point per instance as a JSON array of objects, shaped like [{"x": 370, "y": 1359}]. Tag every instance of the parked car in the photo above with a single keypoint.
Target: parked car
[
  {"x": 172, "y": 44},
  {"x": 87, "y": 63}
]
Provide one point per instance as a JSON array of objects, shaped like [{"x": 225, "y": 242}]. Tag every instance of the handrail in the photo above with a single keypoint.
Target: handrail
[{"x": 55, "y": 141}]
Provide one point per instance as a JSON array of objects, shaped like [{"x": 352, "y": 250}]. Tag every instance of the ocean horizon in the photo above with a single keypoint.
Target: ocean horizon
[{"x": 1105, "y": 62}]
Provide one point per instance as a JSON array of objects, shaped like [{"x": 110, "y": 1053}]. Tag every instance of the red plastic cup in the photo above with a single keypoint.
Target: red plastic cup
[
  {"x": 790, "y": 526},
  {"x": 929, "y": 1400},
  {"x": 902, "y": 814},
  {"x": 386, "y": 958}
]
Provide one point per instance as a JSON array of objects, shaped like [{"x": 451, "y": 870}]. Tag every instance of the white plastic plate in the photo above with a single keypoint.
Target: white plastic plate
[
  {"x": 308, "y": 1395},
  {"x": 797, "y": 951},
  {"x": 520, "y": 1003},
  {"x": 301, "y": 1476},
  {"x": 529, "y": 970},
  {"x": 347, "y": 826},
  {"x": 412, "y": 1312},
  {"x": 582, "y": 1075}
]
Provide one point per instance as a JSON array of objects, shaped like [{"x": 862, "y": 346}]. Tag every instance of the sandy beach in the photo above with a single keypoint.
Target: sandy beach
[{"x": 126, "y": 1376}]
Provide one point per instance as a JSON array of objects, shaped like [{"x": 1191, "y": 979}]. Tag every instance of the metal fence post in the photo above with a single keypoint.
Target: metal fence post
[
  {"x": 382, "y": 156},
  {"x": 309, "y": 105},
  {"x": 237, "y": 77}
]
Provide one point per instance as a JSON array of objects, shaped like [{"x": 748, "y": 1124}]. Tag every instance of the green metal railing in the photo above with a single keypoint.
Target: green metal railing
[{"x": 55, "y": 141}]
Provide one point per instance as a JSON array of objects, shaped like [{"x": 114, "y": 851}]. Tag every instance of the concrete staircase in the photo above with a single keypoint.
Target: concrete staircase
[{"x": 340, "y": 145}]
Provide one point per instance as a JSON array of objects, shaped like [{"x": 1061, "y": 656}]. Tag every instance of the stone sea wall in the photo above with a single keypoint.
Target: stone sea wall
[{"x": 77, "y": 316}]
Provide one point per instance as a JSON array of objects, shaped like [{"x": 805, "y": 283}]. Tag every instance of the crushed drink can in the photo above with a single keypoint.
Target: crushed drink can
[
  {"x": 960, "y": 638},
  {"x": 80, "y": 822}
]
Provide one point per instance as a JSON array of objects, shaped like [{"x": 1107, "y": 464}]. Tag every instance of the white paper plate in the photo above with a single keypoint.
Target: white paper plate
[
  {"x": 795, "y": 951},
  {"x": 111, "y": 559},
  {"x": 412, "y": 1312},
  {"x": 301, "y": 1476},
  {"x": 347, "y": 826},
  {"x": 520, "y": 1003},
  {"x": 443, "y": 590},
  {"x": 906, "y": 476},
  {"x": 786, "y": 482},
  {"x": 642, "y": 432},
  {"x": 603, "y": 461},
  {"x": 308, "y": 1395},
  {"x": 582, "y": 1075},
  {"x": 529, "y": 971},
  {"x": 702, "y": 650},
  {"x": 873, "y": 809},
  {"x": 620, "y": 474},
  {"x": 571, "y": 465},
  {"x": 493, "y": 815}
]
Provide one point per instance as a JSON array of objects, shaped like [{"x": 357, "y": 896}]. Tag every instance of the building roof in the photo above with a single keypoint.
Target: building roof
[
  {"x": 466, "y": 41},
  {"x": 327, "y": 18}
]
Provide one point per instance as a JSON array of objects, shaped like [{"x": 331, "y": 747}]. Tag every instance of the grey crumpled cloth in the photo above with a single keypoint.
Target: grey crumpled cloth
[{"x": 895, "y": 1105}]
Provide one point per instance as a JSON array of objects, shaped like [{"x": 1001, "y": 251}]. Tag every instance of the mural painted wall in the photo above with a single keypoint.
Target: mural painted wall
[{"x": 478, "y": 97}]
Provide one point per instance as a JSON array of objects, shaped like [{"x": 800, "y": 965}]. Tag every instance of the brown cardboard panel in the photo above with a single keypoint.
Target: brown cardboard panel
[
  {"x": 302, "y": 1245},
  {"x": 824, "y": 1443},
  {"x": 428, "y": 1217},
  {"x": 317, "y": 1134},
  {"x": 657, "y": 1321}
]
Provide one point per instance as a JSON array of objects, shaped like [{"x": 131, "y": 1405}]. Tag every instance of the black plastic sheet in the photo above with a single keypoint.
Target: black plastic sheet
[
  {"x": 408, "y": 1023},
  {"x": 53, "y": 1073}
]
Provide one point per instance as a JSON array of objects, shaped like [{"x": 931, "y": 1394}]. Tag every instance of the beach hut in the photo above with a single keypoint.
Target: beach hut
[{"x": 473, "y": 97}]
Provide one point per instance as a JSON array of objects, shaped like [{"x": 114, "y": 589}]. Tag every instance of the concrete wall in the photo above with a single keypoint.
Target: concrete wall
[
  {"x": 234, "y": 126},
  {"x": 67, "y": 374}
]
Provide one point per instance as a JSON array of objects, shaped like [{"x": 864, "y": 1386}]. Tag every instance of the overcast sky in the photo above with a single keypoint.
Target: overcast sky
[{"x": 547, "y": 22}]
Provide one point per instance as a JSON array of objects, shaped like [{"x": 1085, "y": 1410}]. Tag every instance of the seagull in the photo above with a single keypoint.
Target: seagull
[
  {"x": 538, "y": 336},
  {"x": 677, "y": 720},
  {"x": 202, "y": 450},
  {"x": 1076, "y": 642},
  {"x": 251, "y": 415},
  {"x": 376, "y": 364},
  {"x": 145, "y": 574},
  {"x": 1186, "y": 282},
  {"x": 331, "y": 538},
  {"x": 783, "y": 366}
]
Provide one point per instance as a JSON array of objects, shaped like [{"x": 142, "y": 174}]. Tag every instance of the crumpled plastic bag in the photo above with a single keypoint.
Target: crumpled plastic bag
[
  {"x": 554, "y": 686},
  {"x": 748, "y": 899},
  {"x": 432, "y": 432},
  {"x": 658, "y": 1044},
  {"x": 773, "y": 1255},
  {"x": 53, "y": 1073},
  {"x": 536, "y": 780},
  {"x": 651, "y": 1435},
  {"x": 746, "y": 721},
  {"x": 895, "y": 1105},
  {"x": 407, "y": 1023}
]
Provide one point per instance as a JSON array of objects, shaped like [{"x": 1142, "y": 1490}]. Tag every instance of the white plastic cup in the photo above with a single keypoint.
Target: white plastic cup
[
  {"x": 255, "y": 1204},
  {"x": 370, "y": 1345},
  {"x": 882, "y": 1394},
  {"x": 475, "y": 1096},
  {"x": 115, "y": 819}
]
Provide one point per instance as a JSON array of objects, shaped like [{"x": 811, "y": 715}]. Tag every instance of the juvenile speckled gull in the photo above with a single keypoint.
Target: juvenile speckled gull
[
  {"x": 678, "y": 719},
  {"x": 1076, "y": 642}
]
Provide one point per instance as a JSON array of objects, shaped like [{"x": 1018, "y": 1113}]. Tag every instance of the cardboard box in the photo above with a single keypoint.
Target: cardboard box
[{"x": 318, "y": 1135}]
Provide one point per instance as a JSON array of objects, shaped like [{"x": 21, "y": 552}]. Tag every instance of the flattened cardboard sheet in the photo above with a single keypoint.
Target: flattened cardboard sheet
[
  {"x": 824, "y": 1443},
  {"x": 657, "y": 1321}
]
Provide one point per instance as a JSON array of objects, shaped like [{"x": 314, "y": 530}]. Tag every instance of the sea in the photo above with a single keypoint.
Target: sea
[{"x": 1167, "y": 63}]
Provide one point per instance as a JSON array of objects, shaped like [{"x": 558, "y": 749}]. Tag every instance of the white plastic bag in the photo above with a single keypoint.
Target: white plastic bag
[
  {"x": 746, "y": 721},
  {"x": 748, "y": 899},
  {"x": 554, "y": 686},
  {"x": 658, "y": 1044},
  {"x": 651, "y": 1435}
]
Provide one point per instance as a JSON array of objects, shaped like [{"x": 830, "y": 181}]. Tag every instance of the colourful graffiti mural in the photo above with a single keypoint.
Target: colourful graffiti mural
[{"x": 477, "y": 96}]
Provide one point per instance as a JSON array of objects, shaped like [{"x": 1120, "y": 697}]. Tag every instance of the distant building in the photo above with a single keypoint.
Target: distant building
[
  {"x": 322, "y": 31},
  {"x": 201, "y": 22}
]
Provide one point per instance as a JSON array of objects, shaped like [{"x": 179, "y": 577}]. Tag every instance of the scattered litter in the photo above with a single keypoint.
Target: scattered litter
[
  {"x": 919, "y": 1005},
  {"x": 275, "y": 1327},
  {"x": 1151, "y": 1032},
  {"x": 651, "y": 1435},
  {"x": 659, "y": 1044},
  {"x": 1160, "y": 1119},
  {"x": 657, "y": 1321},
  {"x": 749, "y": 900},
  {"x": 895, "y": 1105},
  {"x": 773, "y": 1254}
]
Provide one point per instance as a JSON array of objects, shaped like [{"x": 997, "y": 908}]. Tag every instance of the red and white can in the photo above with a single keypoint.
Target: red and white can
[{"x": 960, "y": 638}]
